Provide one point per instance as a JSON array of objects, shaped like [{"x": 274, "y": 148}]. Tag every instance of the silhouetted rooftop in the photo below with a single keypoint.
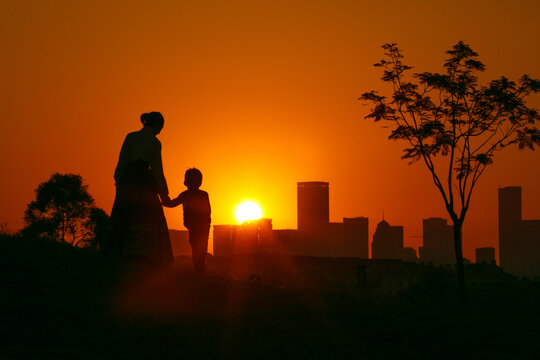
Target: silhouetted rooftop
[{"x": 383, "y": 224}]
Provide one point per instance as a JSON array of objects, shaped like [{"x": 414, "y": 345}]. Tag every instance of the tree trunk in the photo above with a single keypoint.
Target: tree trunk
[
  {"x": 63, "y": 230},
  {"x": 460, "y": 267}
]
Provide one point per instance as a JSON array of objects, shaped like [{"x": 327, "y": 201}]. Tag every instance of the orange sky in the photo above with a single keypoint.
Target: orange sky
[{"x": 256, "y": 94}]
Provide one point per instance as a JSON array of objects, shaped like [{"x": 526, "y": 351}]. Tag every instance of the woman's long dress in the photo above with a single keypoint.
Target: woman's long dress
[{"x": 139, "y": 228}]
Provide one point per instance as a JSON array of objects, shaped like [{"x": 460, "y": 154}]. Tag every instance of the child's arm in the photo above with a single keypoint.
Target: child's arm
[{"x": 174, "y": 202}]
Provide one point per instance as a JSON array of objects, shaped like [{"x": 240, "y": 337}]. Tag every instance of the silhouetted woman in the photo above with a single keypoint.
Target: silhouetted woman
[{"x": 139, "y": 227}]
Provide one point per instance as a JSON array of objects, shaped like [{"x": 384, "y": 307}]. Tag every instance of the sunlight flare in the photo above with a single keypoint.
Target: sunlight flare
[{"x": 248, "y": 211}]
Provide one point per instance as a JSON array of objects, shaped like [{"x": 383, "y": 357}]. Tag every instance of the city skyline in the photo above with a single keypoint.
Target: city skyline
[
  {"x": 258, "y": 95},
  {"x": 315, "y": 235}
]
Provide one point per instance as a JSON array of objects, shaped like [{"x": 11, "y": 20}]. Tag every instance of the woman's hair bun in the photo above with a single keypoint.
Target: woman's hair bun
[{"x": 152, "y": 118}]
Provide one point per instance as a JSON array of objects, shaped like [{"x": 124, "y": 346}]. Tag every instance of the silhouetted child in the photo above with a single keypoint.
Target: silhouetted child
[{"x": 196, "y": 216}]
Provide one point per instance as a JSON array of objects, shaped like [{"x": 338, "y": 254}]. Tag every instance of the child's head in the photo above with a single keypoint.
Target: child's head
[{"x": 193, "y": 178}]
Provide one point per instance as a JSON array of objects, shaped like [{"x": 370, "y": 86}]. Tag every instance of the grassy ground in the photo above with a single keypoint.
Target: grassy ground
[{"x": 60, "y": 302}]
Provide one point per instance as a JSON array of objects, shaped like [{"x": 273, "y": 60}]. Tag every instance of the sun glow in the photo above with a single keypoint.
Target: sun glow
[{"x": 248, "y": 211}]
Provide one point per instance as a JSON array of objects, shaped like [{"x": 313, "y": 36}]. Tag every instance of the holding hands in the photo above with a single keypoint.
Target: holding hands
[
  {"x": 167, "y": 203},
  {"x": 165, "y": 200}
]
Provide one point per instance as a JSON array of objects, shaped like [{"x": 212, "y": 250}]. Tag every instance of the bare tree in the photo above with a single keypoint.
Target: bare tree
[{"x": 454, "y": 125}]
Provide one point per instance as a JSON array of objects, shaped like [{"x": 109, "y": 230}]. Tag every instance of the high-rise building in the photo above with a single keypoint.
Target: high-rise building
[
  {"x": 438, "y": 242},
  {"x": 530, "y": 234},
  {"x": 224, "y": 240},
  {"x": 313, "y": 206},
  {"x": 510, "y": 243},
  {"x": 387, "y": 242},
  {"x": 265, "y": 236},
  {"x": 252, "y": 237},
  {"x": 356, "y": 237},
  {"x": 519, "y": 240}
]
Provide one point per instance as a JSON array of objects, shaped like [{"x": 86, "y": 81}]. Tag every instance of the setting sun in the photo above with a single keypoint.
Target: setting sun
[{"x": 247, "y": 211}]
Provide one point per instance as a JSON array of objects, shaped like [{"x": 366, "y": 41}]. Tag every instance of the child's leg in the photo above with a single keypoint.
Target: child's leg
[{"x": 198, "y": 238}]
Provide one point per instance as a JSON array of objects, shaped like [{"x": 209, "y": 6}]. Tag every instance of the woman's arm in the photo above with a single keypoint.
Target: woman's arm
[{"x": 156, "y": 166}]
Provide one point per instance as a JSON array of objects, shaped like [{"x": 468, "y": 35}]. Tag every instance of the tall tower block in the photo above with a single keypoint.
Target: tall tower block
[
  {"x": 509, "y": 223},
  {"x": 313, "y": 205}
]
